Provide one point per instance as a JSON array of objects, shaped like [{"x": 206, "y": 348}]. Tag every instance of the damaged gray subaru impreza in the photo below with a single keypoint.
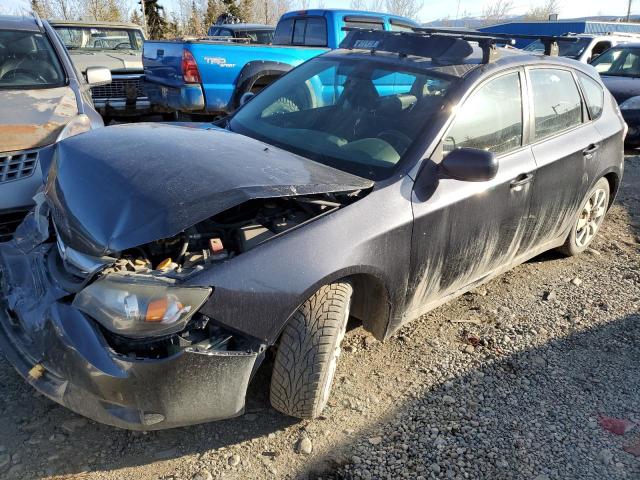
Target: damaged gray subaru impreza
[{"x": 163, "y": 262}]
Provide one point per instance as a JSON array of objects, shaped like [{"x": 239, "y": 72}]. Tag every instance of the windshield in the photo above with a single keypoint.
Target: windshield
[
  {"x": 622, "y": 62},
  {"x": 100, "y": 38},
  {"x": 28, "y": 61},
  {"x": 357, "y": 116},
  {"x": 567, "y": 49}
]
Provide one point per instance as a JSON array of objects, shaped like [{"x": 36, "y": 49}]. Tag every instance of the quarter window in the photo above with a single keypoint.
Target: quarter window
[
  {"x": 490, "y": 119},
  {"x": 556, "y": 101},
  {"x": 593, "y": 93}
]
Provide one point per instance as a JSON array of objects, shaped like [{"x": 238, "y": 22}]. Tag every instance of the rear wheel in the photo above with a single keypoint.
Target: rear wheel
[
  {"x": 308, "y": 352},
  {"x": 588, "y": 220}
]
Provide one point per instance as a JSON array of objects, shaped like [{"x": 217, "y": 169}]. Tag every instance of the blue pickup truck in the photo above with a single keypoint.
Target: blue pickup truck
[{"x": 210, "y": 77}]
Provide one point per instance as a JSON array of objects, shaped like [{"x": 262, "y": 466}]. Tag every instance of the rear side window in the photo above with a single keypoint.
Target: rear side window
[
  {"x": 284, "y": 32},
  {"x": 369, "y": 23},
  {"x": 593, "y": 93},
  {"x": 310, "y": 31},
  {"x": 490, "y": 119},
  {"x": 556, "y": 101},
  {"x": 316, "y": 32},
  {"x": 399, "y": 26}
]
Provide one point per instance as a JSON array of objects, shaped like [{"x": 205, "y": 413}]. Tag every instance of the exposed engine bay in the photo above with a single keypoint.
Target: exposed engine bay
[{"x": 228, "y": 234}]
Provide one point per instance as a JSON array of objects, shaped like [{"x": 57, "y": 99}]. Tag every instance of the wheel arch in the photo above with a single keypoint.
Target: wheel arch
[
  {"x": 251, "y": 73},
  {"x": 614, "y": 184}
]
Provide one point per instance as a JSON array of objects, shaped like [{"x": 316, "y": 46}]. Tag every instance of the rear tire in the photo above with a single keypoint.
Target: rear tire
[
  {"x": 588, "y": 219},
  {"x": 308, "y": 352}
]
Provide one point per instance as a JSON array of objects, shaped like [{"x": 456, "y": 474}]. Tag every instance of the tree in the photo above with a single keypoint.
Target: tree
[
  {"x": 212, "y": 12},
  {"x": 232, "y": 8},
  {"x": 42, "y": 8},
  {"x": 405, "y": 8},
  {"x": 358, "y": 5},
  {"x": 156, "y": 23},
  {"x": 194, "y": 24},
  {"x": 542, "y": 12},
  {"x": 135, "y": 17},
  {"x": 269, "y": 11},
  {"x": 65, "y": 9},
  {"x": 104, "y": 10},
  {"x": 496, "y": 12}
]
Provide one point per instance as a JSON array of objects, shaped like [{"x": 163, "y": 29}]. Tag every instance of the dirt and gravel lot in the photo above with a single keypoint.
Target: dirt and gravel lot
[{"x": 514, "y": 380}]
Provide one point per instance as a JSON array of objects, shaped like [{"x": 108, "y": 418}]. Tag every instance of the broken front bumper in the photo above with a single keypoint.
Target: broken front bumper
[{"x": 65, "y": 356}]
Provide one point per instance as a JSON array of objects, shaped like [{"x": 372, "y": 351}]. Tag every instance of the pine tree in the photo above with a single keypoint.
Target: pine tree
[
  {"x": 232, "y": 8},
  {"x": 194, "y": 24},
  {"x": 211, "y": 13},
  {"x": 156, "y": 23}
]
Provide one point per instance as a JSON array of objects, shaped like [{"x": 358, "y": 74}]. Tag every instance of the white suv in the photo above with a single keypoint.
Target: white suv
[{"x": 588, "y": 46}]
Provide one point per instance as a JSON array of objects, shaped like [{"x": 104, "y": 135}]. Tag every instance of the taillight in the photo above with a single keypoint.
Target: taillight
[{"x": 190, "y": 71}]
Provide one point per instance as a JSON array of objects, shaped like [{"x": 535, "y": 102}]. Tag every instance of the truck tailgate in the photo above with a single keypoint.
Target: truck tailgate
[{"x": 162, "y": 62}]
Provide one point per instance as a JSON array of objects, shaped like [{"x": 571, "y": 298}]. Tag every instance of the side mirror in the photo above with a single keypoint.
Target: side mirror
[
  {"x": 98, "y": 76},
  {"x": 470, "y": 165},
  {"x": 246, "y": 98}
]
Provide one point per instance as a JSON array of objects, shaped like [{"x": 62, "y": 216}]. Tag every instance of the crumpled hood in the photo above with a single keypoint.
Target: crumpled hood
[
  {"x": 123, "y": 186},
  {"x": 34, "y": 118},
  {"x": 622, "y": 88},
  {"x": 112, "y": 59}
]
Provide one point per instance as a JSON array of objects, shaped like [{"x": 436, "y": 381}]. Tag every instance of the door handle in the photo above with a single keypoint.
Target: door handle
[
  {"x": 587, "y": 152},
  {"x": 520, "y": 181}
]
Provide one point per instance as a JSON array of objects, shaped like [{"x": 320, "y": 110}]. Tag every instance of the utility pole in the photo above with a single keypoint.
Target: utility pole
[{"x": 629, "y": 10}]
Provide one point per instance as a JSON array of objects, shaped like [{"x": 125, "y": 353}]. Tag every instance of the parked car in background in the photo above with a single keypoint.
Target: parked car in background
[
  {"x": 118, "y": 47},
  {"x": 42, "y": 100},
  {"x": 179, "y": 255},
  {"x": 619, "y": 68},
  {"x": 209, "y": 77},
  {"x": 587, "y": 47},
  {"x": 253, "y": 32}
]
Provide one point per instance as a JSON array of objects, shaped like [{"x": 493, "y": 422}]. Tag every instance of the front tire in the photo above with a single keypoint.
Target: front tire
[
  {"x": 588, "y": 220},
  {"x": 308, "y": 352}
]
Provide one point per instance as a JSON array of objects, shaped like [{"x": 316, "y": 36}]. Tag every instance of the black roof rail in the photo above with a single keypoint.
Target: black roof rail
[
  {"x": 550, "y": 42},
  {"x": 486, "y": 42}
]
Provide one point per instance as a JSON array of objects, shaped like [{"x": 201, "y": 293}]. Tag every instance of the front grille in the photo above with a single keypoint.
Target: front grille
[
  {"x": 17, "y": 166},
  {"x": 118, "y": 88}
]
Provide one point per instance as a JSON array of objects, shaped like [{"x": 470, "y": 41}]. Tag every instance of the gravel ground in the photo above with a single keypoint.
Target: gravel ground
[{"x": 514, "y": 380}]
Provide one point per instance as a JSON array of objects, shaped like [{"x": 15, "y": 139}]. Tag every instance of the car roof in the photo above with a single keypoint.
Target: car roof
[
  {"x": 628, "y": 45},
  {"x": 363, "y": 13},
  {"x": 244, "y": 26},
  {"x": 18, "y": 22},
  {"x": 507, "y": 57},
  {"x": 92, "y": 23}
]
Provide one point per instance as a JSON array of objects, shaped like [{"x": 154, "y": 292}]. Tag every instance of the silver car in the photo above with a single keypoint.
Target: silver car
[{"x": 42, "y": 100}]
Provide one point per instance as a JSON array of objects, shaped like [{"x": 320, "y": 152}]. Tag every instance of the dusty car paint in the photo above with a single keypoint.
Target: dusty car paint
[
  {"x": 238, "y": 169},
  {"x": 407, "y": 242},
  {"x": 36, "y": 116}
]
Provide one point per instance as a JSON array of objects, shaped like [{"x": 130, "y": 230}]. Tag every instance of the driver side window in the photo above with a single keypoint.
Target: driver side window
[{"x": 490, "y": 119}]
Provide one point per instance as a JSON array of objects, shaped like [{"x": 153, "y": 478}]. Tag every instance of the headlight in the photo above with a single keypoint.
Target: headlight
[
  {"x": 78, "y": 124},
  {"x": 632, "y": 103},
  {"x": 140, "y": 307}
]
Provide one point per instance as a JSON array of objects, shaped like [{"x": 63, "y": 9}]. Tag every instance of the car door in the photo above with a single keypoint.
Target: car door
[
  {"x": 465, "y": 230},
  {"x": 563, "y": 144}
]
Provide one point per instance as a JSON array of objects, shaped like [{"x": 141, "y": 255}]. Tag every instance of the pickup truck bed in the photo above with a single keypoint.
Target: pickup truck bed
[{"x": 209, "y": 77}]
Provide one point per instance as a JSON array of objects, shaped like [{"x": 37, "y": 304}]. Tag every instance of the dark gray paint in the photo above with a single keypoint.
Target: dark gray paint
[{"x": 416, "y": 240}]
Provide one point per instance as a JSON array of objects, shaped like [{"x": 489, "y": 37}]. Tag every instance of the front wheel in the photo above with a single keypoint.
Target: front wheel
[
  {"x": 308, "y": 352},
  {"x": 588, "y": 220}
]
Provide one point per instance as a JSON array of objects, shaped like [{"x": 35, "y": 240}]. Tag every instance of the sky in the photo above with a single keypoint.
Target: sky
[{"x": 437, "y": 9}]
